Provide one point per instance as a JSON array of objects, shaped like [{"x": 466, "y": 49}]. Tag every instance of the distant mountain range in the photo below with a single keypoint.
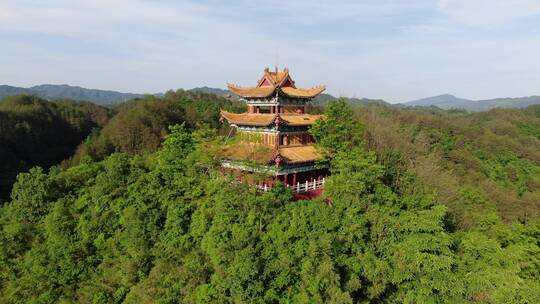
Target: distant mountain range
[
  {"x": 446, "y": 101},
  {"x": 63, "y": 91}
]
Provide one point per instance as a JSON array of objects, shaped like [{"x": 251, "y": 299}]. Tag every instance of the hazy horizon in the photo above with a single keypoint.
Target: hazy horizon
[{"x": 392, "y": 50}]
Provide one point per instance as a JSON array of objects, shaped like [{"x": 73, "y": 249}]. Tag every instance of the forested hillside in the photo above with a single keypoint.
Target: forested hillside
[
  {"x": 495, "y": 153},
  {"x": 421, "y": 207},
  {"x": 35, "y": 132},
  {"x": 142, "y": 124}
]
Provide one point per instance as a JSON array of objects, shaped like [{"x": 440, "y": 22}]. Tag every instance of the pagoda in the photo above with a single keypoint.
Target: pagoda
[{"x": 273, "y": 138}]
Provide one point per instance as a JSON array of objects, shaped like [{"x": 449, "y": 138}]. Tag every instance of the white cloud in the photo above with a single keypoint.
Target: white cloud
[
  {"x": 313, "y": 12},
  {"x": 150, "y": 46},
  {"x": 87, "y": 17},
  {"x": 488, "y": 13}
]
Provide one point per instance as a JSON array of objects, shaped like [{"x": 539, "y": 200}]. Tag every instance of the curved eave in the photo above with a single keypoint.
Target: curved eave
[
  {"x": 246, "y": 119},
  {"x": 262, "y": 92},
  {"x": 302, "y": 93},
  {"x": 300, "y": 119},
  {"x": 257, "y": 92}
]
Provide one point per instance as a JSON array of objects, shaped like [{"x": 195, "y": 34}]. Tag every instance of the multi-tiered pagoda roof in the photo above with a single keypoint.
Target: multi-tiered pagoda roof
[{"x": 275, "y": 83}]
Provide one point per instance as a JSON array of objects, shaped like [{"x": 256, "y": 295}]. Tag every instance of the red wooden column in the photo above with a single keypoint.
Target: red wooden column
[
  {"x": 294, "y": 179},
  {"x": 285, "y": 179}
]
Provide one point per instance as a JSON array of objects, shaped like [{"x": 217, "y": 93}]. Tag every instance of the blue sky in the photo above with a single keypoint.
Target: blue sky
[{"x": 394, "y": 50}]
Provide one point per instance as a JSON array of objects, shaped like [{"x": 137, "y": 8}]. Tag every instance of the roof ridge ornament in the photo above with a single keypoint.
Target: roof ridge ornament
[{"x": 277, "y": 120}]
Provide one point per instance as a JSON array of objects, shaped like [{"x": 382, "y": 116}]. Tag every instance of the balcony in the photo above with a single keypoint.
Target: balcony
[{"x": 303, "y": 187}]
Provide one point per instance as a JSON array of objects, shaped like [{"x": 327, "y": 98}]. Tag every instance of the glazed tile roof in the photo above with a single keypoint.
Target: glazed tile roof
[
  {"x": 299, "y": 154},
  {"x": 299, "y": 119},
  {"x": 251, "y": 92},
  {"x": 249, "y": 152},
  {"x": 265, "y": 154},
  {"x": 294, "y": 92},
  {"x": 269, "y": 91},
  {"x": 272, "y": 81},
  {"x": 250, "y": 119}
]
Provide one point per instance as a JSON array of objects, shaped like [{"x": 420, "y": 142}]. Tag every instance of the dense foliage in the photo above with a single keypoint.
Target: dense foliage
[
  {"x": 495, "y": 153},
  {"x": 142, "y": 124},
  {"x": 35, "y": 132},
  {"x": 167, "y": 227}
]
